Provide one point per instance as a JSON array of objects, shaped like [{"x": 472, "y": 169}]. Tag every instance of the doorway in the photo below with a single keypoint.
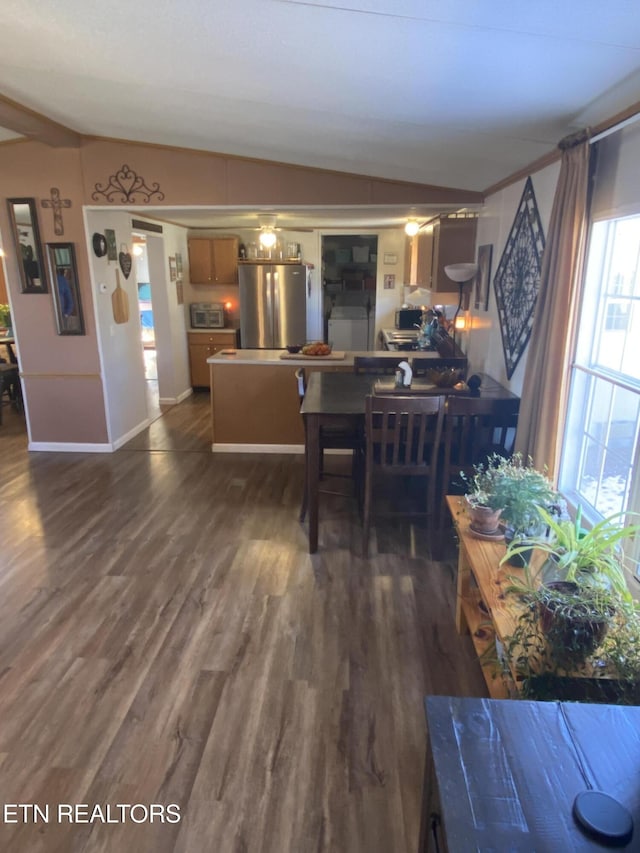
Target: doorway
[
  {"x": 147, "y": 327},
  {"x": 349, "y": 268}
]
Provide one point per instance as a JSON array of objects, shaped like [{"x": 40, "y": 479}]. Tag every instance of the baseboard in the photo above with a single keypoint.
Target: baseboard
[
  {"x": 173, "y": 401},
  {"x": 131, "y": 434},
  {"x": 68, "y": 447},
  {"x": 257, "y": 448}
]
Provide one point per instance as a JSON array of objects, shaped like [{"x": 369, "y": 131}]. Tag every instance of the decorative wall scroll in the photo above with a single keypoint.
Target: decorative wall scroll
[
  {"x": 65, "y": 288},
  {"x": 26, "y": 236},
  {"x": 127, "y": 186},
  {"x": 56, "y": 204},
  {"x": 517, "y": 279},
  {"x": 112, "y": 248}
]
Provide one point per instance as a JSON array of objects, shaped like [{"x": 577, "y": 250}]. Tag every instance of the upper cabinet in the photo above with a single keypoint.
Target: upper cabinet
[
  {"x": 213, "y": 260},
  {"x": 420, "y": 258},
  {"x": 450, "y": 240}
]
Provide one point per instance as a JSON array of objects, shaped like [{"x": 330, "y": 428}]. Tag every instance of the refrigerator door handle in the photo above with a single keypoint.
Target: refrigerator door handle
[
  {"x": 269, "y": 301},
  {"x": 276, "y": 309}
]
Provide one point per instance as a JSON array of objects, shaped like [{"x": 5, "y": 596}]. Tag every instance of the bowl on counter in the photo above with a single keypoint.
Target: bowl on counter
[
  {"x": 444, "y": 377},
  {"x": 294, "y": 348}
]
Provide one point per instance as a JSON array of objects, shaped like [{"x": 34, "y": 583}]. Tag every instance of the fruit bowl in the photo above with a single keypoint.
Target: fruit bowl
[
  {"x": 294, "y": 348},
  {"x": 316, "y": 348},
  {"x": 443, "y": 377}
]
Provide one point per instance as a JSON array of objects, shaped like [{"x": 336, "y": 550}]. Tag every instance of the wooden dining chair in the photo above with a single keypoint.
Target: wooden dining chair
[
  {"x": 346, "y": 435},
  {"x": 402, "y": 439},
  {"x": 376, "y": 364},
  {"x": 474, "y": 428}
]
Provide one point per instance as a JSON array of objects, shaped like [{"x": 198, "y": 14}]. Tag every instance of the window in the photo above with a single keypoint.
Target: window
[{"x": 600, "y": 465}]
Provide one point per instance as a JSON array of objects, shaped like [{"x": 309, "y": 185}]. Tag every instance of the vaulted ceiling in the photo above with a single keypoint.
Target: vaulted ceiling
[{"x": 459, "y": 94}]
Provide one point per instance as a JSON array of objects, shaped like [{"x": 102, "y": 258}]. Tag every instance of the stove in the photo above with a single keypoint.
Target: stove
[{"x": 403, "y": 340}]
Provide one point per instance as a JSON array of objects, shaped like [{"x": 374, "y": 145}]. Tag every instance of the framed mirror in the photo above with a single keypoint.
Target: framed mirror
[
  {"x": 63, "y": 274},
  {"x": 24, "y": 221}
]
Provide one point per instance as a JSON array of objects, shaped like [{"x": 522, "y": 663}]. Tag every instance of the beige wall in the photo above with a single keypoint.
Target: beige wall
[
  {"x": 73, "y": 368},
  {"x": 484, "y": 341}
]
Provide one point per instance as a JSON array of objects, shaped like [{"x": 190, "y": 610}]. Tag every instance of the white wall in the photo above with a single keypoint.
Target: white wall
[
  {"x": 483, "y": 343},
  {"x": 120, "y": 345},
  {"x": 169, "y": 317},
  {"x": 120, "y": 348}
]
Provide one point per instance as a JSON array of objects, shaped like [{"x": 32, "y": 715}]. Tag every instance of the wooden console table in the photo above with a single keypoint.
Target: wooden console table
[
  {"x": 504, "y": 775},
  {"x": 484, "y": 611}
]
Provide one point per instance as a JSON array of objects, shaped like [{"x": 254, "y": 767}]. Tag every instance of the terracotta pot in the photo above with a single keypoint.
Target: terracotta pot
[
  {"x": 577, "y": 631},
  {"x": 483, "y": 519}
]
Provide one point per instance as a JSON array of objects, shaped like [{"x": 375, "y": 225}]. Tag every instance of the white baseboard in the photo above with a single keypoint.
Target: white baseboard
[
  {"x": 131, "y": 434},
  {"x": 173, "y": 401},
  {"x": 68, "y": 447}
]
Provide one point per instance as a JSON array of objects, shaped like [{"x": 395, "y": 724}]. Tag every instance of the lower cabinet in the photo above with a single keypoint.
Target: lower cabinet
[{"x": 201, "y": 347}]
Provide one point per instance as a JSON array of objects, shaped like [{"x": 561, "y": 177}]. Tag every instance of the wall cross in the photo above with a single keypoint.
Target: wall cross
[{"x": 56, "y": 203}]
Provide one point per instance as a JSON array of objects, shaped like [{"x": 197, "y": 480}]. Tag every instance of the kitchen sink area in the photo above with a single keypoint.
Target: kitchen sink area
[{"x": 402, "y": 339}]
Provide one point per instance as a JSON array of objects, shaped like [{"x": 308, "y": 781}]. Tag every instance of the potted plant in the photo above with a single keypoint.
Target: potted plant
[
  {"x": 584, "y": 556},
  {"x": 5, "y": 317},
  {"x": 508, "y": 491},
  {"x": 576, "y": 603}
]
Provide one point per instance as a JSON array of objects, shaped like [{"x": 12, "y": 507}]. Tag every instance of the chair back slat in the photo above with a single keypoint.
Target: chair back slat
[{"x": 474, "y": 428}]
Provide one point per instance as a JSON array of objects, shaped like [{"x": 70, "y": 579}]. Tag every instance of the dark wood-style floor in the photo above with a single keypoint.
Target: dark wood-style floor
[{"x": 166, "y": 638}]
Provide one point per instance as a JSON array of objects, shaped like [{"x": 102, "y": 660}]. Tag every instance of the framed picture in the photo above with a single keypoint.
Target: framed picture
[
  {"x": 390, "y": 258},
  {"x": 173, "y": 274},
  {"x": 26, "y": 237},
  {"x": 483, "y": 277},
  {"x": 64, "y": 286},
  {"x": 112, "y": 248},
  {"x": 179, "y": 262},
  {"x": 179, "y": 292},
  {"x": 389, "y": 281}
]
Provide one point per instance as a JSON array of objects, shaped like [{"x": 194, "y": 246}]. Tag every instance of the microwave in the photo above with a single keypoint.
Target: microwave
[
  {"x": 207, "y": 315},
  {"x": 408, "y": 318}
]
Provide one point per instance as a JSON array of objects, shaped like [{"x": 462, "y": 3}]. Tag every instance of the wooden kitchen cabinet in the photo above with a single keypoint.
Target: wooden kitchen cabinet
[
  {"x": 203, "y": 345},
  {"x": 213, "y": 261},
  {"x": 420, "y": 258},
  {"x": 447, "y": 241},
  {"x": 454, "y": 242}
]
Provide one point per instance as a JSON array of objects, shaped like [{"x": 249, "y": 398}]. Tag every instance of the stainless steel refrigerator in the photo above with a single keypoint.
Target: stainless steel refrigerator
[{"x": 273, "y": 305}]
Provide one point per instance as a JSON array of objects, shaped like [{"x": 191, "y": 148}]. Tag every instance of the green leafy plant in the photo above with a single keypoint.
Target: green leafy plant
[
  {"x": 514, "y": 487},
  {"x": 587, "y": 557},
  {"x": 560, "y": 628},
  {"x": 5, "y": 316}
]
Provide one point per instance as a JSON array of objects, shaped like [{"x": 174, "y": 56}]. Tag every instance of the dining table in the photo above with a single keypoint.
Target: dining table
[
  {"x": 332, "y": 397},
  {"x": 9, "y": 343}
]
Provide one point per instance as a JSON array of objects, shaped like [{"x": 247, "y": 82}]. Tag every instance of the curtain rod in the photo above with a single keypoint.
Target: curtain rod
[{"x": 615, "y": 128}]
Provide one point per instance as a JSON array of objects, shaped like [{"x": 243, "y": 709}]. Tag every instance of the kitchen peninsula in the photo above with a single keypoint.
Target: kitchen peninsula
[{"x": 255, "y": 405}]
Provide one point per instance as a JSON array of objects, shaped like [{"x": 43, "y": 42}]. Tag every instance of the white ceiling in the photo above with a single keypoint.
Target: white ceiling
[{"x": 459, "y": 93}]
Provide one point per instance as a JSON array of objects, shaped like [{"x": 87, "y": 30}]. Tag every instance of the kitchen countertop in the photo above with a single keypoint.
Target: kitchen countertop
[
  {"x": 272, "y": 357},
  {"x": 226, "y": 330}
]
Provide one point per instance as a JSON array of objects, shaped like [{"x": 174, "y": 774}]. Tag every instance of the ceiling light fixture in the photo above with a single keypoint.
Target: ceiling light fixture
[
  {"x": 267, "y": 238},
  {"x": 137, "y": 249},
  {"x": 411, "y": 228}
]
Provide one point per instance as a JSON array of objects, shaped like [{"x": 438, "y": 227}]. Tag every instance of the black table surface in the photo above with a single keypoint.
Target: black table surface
[
  {"x": 509, "y": 771},
  {"x": 343, "y": 393}
]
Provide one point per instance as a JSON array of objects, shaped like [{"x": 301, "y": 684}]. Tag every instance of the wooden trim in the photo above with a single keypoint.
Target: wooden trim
[
  {"x": 33, "y": 125},
  {"x": 466, "y": 196},
  {"x": 553, "y": 156},
  {"x": 521, "y": 174}
]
